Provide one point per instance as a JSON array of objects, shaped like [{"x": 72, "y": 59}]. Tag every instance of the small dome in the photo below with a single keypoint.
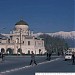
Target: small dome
[{"x": 21, "y": 22}]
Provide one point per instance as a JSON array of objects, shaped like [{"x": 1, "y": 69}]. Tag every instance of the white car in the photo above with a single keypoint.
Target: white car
[{"x": 68, "y": 56}]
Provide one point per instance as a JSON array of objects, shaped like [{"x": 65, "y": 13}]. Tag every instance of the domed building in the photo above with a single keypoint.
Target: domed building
[
  {"x": 21, "y": 40},
  {"x": 22, "y": 25}
]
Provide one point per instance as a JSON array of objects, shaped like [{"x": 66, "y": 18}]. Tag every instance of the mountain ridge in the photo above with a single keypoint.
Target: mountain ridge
[
  {"x": 69, "y": 37},
  {"x": 62, "y": 34}
]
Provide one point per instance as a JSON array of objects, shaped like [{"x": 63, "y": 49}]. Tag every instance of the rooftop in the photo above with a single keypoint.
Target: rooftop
[{"x": 21, "y": 22}]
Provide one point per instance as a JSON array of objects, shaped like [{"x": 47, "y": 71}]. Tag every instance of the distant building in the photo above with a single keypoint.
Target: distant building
[
  {"x": 21, "y": 38},
  {"x": 72, "y": 49}
]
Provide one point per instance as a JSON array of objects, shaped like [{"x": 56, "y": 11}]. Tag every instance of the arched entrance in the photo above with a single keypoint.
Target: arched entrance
[
  {"x": 19, "y": 51},
  {"x": 2, "y": 50},
  {"x": 9, "y": 51},
  {"x": 39, "y": 51},
  {"x": 28, "y": 51}
]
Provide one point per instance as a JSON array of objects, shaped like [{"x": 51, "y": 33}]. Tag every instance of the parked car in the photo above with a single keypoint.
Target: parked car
[{"x": 68, "y": 56}]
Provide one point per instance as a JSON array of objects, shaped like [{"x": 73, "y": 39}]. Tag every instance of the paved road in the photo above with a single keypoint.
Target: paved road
[
  {"x": 12, "y": 62},
  {"x": 57, "y": 64}
]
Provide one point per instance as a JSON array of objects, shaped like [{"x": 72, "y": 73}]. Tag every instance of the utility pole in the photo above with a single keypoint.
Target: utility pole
[{"x": 20, "y": 38}]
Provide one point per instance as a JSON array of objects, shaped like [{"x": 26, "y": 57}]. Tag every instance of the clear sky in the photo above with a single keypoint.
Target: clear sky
[{"x": 41, "y": 15}]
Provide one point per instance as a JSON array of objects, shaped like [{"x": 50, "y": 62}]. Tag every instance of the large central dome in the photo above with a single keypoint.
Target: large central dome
[
  {"x": 21, "y": 22},
  {"x": 21, "y": 25}
]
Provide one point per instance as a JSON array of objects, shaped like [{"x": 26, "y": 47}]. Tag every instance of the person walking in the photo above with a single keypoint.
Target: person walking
[
  {"x": 2, "y": 57},
  {"x": 49, "y": 56},
  {"x": 32, "y": 58},
  {"x": 73, "y": 58},
  {"x": 58, "y": 53},
  {"x": 49, "y": 53}
]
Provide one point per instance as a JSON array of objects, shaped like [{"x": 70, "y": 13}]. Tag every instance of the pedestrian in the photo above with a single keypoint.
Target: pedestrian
[
  {"x": 58, "y": 53},
  {"x": 2, "y": 57},
  {"x": 62, "y": 53},
  {"x": 32, "y": 58},
  {"x": 0, "y": 54},
  {"x": 72, "y": 58},
  {"x": 47, "y": 55}
]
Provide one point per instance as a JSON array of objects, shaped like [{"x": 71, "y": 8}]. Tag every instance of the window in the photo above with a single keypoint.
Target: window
[
  {"x": 28, "y": 42},
  {"x": 17, "y": 40},
  {"x": 23, "y": 41},
  {"x": 0, "y": 41},
  {"x": 11, "y": 37},
  {"x": 8, "y": 40}
]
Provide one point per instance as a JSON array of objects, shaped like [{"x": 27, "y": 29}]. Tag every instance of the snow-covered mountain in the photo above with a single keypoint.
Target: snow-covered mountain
[
  {"x": 65, "y": 35},
  {"x": 69, "y": 37}
]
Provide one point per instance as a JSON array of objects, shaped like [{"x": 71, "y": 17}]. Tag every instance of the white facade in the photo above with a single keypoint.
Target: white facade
[
  {"x": 72, "y": 49},
  {"x": 22, "y": 37}
]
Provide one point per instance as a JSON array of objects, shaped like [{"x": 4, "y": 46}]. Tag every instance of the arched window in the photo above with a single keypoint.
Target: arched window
[
  {"x": 11, "y": 37},
  {"x": 28, "y": 42},
  {"x": 17, "y": 40},
  {"x": 2, "y": 50},
  {"x": 28, "y": 51}
]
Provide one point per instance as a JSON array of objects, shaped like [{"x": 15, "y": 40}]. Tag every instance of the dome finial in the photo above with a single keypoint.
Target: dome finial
[
  {"x": 21, "y": 17},
  {"x": 21, "y": 22}
]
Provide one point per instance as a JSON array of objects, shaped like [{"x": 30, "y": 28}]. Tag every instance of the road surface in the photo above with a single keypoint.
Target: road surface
[{"x": 20, "y": 65}]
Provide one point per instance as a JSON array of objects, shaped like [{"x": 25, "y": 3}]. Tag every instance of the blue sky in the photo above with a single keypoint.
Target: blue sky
[{"x": 41, "y": 15}]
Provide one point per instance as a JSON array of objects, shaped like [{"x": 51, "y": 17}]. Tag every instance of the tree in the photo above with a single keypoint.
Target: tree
[{"x": 54, "y": 44}]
